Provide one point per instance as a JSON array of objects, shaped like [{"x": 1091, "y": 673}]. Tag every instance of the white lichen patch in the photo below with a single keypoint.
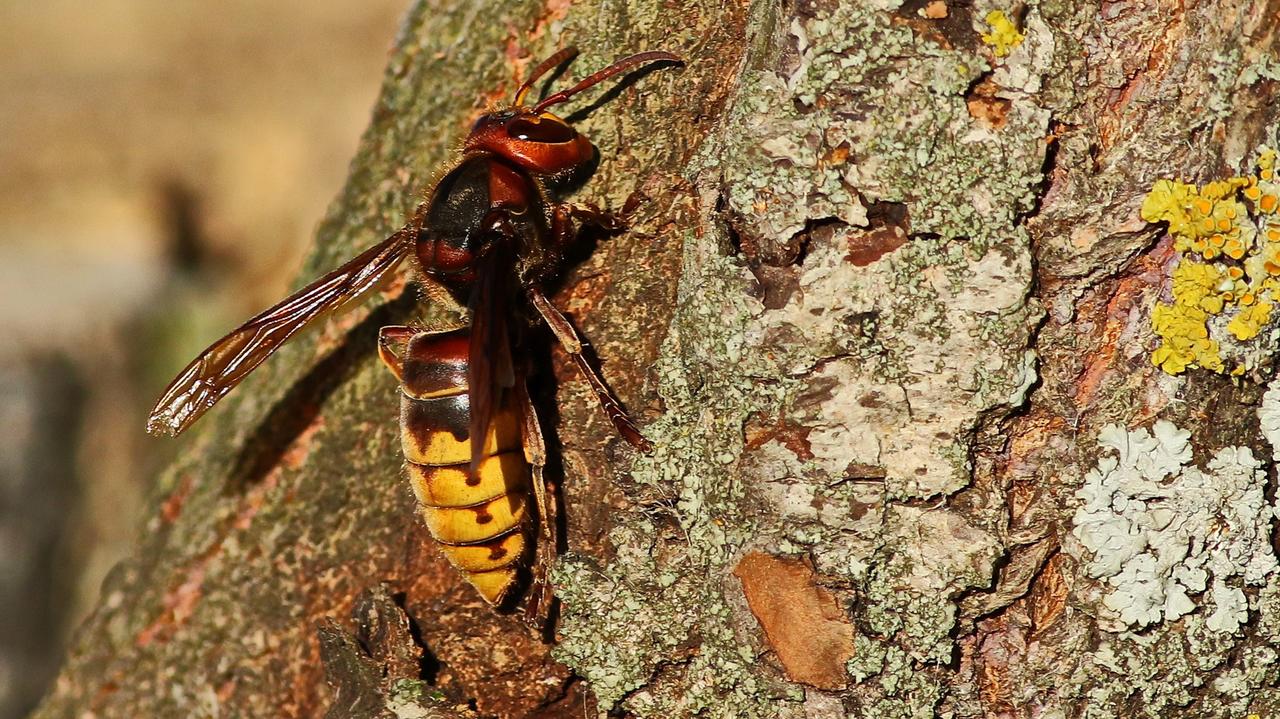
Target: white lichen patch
[
  {"x": 1269, "y": 417},
  {"x": 1159, "y": 531}
]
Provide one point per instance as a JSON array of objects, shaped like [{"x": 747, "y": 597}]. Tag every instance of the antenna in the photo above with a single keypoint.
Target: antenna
[
  {"x": 601, "y": 75},
  {"x": 566, "y": 54}
]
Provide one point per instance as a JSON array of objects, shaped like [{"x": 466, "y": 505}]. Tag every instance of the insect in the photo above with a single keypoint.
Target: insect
[{"x": 487, "y": 238}]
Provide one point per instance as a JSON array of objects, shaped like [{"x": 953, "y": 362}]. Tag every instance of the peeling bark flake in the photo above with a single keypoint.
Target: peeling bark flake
[{"x": 802, "y": 621}]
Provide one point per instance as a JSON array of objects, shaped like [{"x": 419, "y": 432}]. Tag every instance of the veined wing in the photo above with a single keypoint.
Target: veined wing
[{"x": 229, "y": 360}]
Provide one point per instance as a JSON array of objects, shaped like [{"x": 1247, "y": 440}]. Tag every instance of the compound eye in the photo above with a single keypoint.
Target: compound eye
[
  {"x": 543, "y": 130},
  {"x": 493, "y": 118}
]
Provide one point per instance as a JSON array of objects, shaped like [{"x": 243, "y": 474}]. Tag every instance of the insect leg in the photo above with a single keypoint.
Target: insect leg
[
  {"x": 390, "y": 338},
  {"x": 541, "y": 595},
  {"x": 572, "y": 344},
  {"x": 564, "y": 215}
]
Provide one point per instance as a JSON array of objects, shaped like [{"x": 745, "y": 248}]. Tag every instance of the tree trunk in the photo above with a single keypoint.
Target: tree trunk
[{"x": 887, "y": 291}]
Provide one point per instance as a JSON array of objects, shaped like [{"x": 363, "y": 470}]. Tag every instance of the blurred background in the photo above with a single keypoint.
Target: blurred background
[{"x": 162, "y": 166}]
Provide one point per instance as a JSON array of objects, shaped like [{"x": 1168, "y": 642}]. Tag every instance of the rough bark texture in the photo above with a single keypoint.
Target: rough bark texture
[{"x": 884, "y": 293}]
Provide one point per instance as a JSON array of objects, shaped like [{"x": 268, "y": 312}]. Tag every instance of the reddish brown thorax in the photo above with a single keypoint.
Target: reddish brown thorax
[{"x": 493, "y": 195}]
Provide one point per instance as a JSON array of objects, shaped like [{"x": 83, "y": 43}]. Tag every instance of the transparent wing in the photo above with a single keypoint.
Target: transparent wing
[{"x": 229, "y": 360}]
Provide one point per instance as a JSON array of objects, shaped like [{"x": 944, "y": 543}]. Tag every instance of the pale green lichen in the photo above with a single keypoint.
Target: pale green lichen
[
  {"x": 868, "y": 658},
  {"x": 1224, "y": 70},
  {"x": 414, "y": 699},
  {"x": 621, "y": 621},
  {"x": 882, "y": 379},
  {"x": 1161, "y": 687},
  {"x": 629, "y": 630},
  {"x": 902, "y": 691},
  {"x": 1161, "y": 674},
  {"x": 1265, "y": 66},
  {"x": 1159, "y": 530},
  {"x": 950, "y": 557}
]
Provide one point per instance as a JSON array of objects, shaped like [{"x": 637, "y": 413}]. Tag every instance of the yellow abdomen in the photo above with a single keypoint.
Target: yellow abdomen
[{"x": 480, "y": 518}]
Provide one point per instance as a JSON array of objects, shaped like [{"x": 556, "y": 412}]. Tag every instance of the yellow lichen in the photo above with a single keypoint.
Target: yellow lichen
[
  {"x": 1004, "y": 35},
  {"x": 1186, "y": 340},
  {"x": 1266, "y": 163},
  {"x": 1195, "y": 285},
  {"x": 1168, "y": 201},
  {"x": 1228, "y": 236},
  {"x": 1252, "y": 318}
]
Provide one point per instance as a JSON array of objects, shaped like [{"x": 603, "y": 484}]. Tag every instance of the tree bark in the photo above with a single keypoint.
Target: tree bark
[{"x": 887, "y": 289}]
